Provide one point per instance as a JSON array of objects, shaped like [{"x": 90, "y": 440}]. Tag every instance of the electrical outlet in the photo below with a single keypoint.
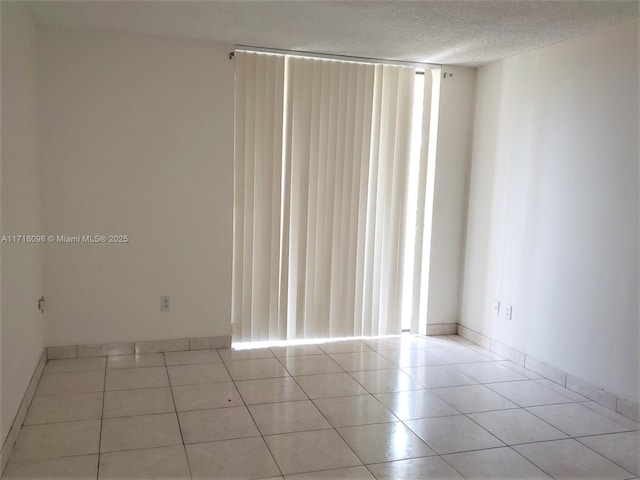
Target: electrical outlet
[
  {"x": 508, "y": 311},
  {"x": 496, "y": 307},
  {"x": 165, "y": 303}
]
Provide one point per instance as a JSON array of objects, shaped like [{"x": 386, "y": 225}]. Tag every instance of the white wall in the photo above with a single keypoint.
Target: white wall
[
  {"x": 453, "y": 155},
  {"x": 137, "y": 139},
  {"x": 553, "y": 207},
  {"x": 22, "y": 325}
]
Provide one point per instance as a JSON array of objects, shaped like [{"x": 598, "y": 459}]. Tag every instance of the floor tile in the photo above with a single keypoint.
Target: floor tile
[
  {"x": 473, "y": 398},
  {"x": 358, "y": 410},
  {"x": 576, "y": 420},
  {"x": 494, "y": 463},
  {"x": 270, "y": 390},
  {"x": 198, "y": 373},
  {"x": 256, "y": 369},
  {"x": 565, "y": 392},
  {"x": 206, "y": 395},
  {"x": 568, "y": 459},
  {"x": 231, "y": 354},
  {"x": 381, "y": 381},
  {"x": 54, "y": 440},
  {"x": 192, "y": 356},
  {"x": 216, "y": 424},
  {"x": 434, "y": 376},
  {"x": 65, "y": 408},
  {"x": 294, "y": 350},
  {"x": 246, "y": 458},
  {"x": 349, "y": 473},
  {"x": 83, "y": 467},
  {"x": 145, "y": 401},
  {"x": 414, "y": 357},
  {"x": 525, "y": 372},
  {"x": 384, "y": 442},
  {"x": 344, "y": 346},
  {"x": 489, "y": 372},
  {"x": 310, "y": 451},
  {"x": 453, "y": 434},
  {"x": 310, "y": 364},
  {"x": 164, "y": 462},
  {"x": 516, "y": 426},
  {"x": 75, "y": 365},
  {"x": 416, "y": 404},
  {"x": 458, "y": 354},
  {"x": 528, "y": 393},
  {"x": 415, "y": 469},
  {"x": 71, "y": 382},
  {"x": 136, "y": 361},
  {"x": 611, "y": 415},
  {"x": 357, "y": 361},
  {"x": 134, "y": 378},
  {"x": 287, "y": 417},
  {"x": 621, "y": 448},
  {"x": 330, "y": 385},
  {"x": 145, "y": 431}
]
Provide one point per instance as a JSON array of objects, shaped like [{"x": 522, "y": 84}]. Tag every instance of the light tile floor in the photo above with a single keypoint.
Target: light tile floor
[{"x": 407, "y": 407}]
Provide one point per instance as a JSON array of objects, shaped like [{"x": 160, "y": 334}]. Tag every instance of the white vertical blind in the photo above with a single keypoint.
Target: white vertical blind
[
  {"x": 322, "y": 157},
  {"x": 257, "y": 195}
]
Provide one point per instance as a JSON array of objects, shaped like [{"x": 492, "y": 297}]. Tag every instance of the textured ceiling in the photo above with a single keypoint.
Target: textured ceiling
[{"x": 470, "y": 32}]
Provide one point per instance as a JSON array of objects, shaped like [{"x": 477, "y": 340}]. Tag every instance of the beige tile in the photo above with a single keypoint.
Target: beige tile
[
  {"x": 415, "y": 469},
  {"x": 620, "y": 448},
  {"x": 84, "y": 467},
  {"x": 198, "y": 373},
  {"x": 105, "y": 349},
  {"x": 71, "y": 382},
  {"x": 134, "y": 378},
  {"x": 255, "y": 369},
  {"x": 380, "y": 381},
  {"x": 269, "y": 390},
  {"x": 57, "y": 440},
  {"x": 344, "y": 346},
  {"x": 246, "y": 458},
  {"x": 145, "y": 431},
  {"x": 65, "y": 408},
  {"x": 68, "y": 351},
  {"x": 565, "y": 392},
  {"x": 415, "y": 404},
  {"x": 207, "y": 343},
  {"x": 287, "y": 417},
  {"x": 310, "y": 364},
  {"x": 610, "y": 414},
  {"x": 136, "y": 361},
  {"x": 531, "y": 375},
  {"x": 458, "y": 354},
  {"x": 473, "y": 398},
  {"x": 570, "y": 460},
  {"x": 358, "y": 410},
  {"x": 453, "y": 434},
  {"x": 232, "y": 354},
  {"x": 384, "y": 442},
  {"x": 310, "y": 451},
  {"x": 516, "y": 426},
  {"x": 196, "y": 356},
  {"x": 154, "y": 346},
  {"x": 489, "y": 372},
  {"x": 414, "y": 357},
  {"x": 528, "y": 393},
  {"x": 330, "y": 385},
  {"x": 494, "y": 463},
  {"x": 165, "y": 462},
  {"x": 576, "y": 420},
  {"x": 75, "y": 365},
  {"x": 349, "y": 473},
  {"x": 294, "y": 350},
  {"x": 434, "y": 376},
  {"x": 216, "y": 424},
  {"x": 145, "y": 401},
  {"x": 357, "y": 361},
  {"x": 206, "y": 395},
  {"x": 545, "y": 370}
]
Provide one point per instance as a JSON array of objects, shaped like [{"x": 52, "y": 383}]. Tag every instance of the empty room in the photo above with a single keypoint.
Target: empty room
[{"x": 320, "y": 239}]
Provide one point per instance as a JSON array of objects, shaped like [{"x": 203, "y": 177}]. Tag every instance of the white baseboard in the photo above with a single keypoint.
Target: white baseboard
[{"x": 599, "y": 395}]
